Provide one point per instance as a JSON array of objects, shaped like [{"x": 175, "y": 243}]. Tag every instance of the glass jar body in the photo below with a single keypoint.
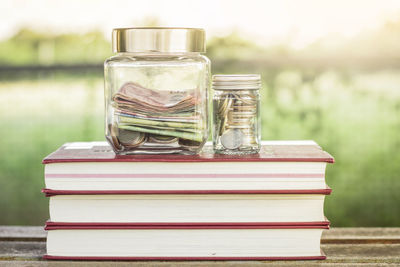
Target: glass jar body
[
  {"x": 156, "y": 102},
  {"x": 236, "y": 121}
]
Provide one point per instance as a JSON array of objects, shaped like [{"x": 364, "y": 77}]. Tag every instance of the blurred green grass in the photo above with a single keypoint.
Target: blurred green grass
[
  {"x": 354, "y": 116},
  {"x": 38, "y": 117}
]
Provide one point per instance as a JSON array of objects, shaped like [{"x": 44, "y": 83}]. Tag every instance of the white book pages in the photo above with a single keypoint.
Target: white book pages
[
  {"x": 187, "y": 208},
  {"x": 185, "y": 243}
]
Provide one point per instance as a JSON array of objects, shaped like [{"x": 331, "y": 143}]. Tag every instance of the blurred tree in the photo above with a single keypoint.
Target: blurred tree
[
  {"x": 371, "y": 49},
  {"x": 28, "y": 47},
  {"x": 232, "y": 46}
]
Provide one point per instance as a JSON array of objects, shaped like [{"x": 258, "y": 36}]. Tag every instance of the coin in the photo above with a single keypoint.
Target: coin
[
  {"x": 232, "y": 138},
  {"x": 230, "y": 126},
  {"x": 162, "y": 139},
  {"x": 249, "y": 101},
  {"x": 113, "y": 130},
  {"x": 223, "y": 108},
  {"x": 130, "y": 138},
  {"x": 240, "y": 120},
  {"x": 244, "y": 108},
  {"x": 221, "y": 125},
  {"x": 244, "y": 113},
  {"x": 188, "y": 143}
]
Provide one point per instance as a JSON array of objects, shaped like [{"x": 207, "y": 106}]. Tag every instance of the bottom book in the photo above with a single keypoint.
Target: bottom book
[{"x": 228, "y": 241}]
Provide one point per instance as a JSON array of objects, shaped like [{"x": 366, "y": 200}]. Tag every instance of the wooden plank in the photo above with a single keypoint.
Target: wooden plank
[
  {"x": 362, "y": 253},
  {"x": 21, "y": 250},
  {"x": 365, "y": 232},
  {"x": 361, "y": 236},
  {"x": 362, "y": 232},
  {"x": 337, "y": 253},
  {"x": 22, "y": 233},
  {"x": 332, "y": 236}
]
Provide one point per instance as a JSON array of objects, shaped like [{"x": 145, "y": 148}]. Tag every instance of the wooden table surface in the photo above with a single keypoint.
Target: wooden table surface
[{"x": 25, "y": 245}]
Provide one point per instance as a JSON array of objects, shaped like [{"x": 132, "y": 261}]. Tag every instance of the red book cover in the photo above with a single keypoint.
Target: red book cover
[
  {"x": 188, "y": 225},
  {"x": 242, "y": 225},
  {"x": 51, "y": 192},
  {"x": 277, "y": 151}
]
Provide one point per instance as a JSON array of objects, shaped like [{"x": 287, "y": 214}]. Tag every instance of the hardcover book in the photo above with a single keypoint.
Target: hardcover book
[
  {"x": 187, "y": 207},
  {"x": 280, "y": 165},
  {"x": 185, "y": 242}
]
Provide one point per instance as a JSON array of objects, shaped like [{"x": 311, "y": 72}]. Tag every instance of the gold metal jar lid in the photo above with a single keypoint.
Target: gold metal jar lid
[{"x": 159, "y": 39}]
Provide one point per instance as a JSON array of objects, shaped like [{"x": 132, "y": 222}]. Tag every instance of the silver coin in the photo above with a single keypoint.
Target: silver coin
[
  {"x": 244, "y": 113},
  {"x": 162, "y": 139},
  {"x": 241, "y": 121},
  {"x": 188, "y": 143},
  {"x": 130, "y": 138},
  {"x": 250, "y": 102},
  {"x": 232, "y": 139},
  {"x": 244, "y": 108},
  {"x": 230, "y": 126}
]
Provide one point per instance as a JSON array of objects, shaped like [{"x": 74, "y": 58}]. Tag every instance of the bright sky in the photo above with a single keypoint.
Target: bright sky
[{"x": 295, "y": 22}]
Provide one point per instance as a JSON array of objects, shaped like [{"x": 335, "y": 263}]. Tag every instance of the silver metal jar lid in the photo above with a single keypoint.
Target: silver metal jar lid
[
  {"x": 159, "y": 39},
  {"x": 236, "y": 82}
]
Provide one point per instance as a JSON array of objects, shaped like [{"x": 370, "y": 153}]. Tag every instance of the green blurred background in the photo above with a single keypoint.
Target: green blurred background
[{"x": 344, "y": 93}]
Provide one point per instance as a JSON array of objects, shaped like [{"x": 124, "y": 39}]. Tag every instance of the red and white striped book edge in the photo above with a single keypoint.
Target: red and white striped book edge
[{"x": 51, "y": 192}]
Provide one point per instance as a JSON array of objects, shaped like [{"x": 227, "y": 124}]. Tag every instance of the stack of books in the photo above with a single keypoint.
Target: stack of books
[{"x": 265, "y": 206}]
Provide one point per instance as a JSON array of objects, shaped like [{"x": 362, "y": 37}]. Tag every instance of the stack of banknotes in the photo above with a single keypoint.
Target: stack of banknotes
[{"x": 155, "y": 117}]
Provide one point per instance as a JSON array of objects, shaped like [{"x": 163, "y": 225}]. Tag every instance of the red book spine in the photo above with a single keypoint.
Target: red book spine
[
  {"x": 51, "y": 192},
  {"x": 118, "y": 225}
]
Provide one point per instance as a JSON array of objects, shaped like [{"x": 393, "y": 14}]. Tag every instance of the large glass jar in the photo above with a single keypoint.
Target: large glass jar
[{"x": 156, "y": 91}]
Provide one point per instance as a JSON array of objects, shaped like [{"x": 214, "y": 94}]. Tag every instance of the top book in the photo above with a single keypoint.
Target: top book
[
  {"x": 280, "y": 165},
  {"x": 271, "y": 151}
]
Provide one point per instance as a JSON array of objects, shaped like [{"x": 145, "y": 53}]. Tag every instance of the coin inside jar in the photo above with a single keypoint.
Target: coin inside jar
[
  {"x": 232, "y": 138},
  {"x": 114, "y": 133},
  {"x": 162, "y": 139},
  {"x": 187, "y": 143},
  {"x": 130, "y": 138},
  {"x": 223, "y": 109}
]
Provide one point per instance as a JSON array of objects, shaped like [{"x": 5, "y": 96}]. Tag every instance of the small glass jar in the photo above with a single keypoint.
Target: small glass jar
[
  {"x": 236, "y": 114},
  {"x": 156, "y": 91}
]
